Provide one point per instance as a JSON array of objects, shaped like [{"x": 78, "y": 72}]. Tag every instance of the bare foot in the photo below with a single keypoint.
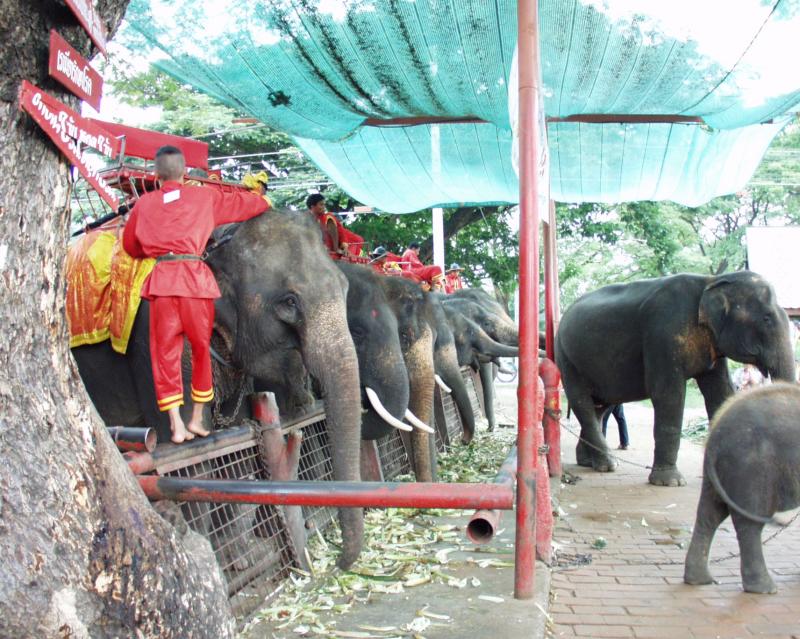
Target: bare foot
[
  {"x": 184, "y": 436},
  {"x": 198, "y": 430}
]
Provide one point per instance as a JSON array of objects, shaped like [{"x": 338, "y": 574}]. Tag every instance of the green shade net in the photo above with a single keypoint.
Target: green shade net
[{"x": 318, "y": 69}]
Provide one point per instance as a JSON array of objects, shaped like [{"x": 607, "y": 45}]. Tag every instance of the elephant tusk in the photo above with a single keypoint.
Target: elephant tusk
[
  {"x": 416, "y": 421},
  {"x": 381, "y": 410},
  {"x": 442, "y": 385}
]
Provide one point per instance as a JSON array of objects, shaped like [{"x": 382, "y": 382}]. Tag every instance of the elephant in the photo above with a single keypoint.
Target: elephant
[
  {"x": 448, "y": 369},
  {"x": 476, "y": 349},
  {"x": 645, "y": 339},
  {"x": 281, "y": 294},
  {"x": 751, "y": 470},
  {"x": 384, "y": 376},
  {"x": 416, "y": 328},
  {"x": 488, "y": 315}
]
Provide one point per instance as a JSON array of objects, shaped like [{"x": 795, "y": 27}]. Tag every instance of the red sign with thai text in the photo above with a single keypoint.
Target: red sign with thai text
[
  {"x": 72, "y": 70},
  {"x": 70, "y": 132},
  {"x": 90, "y": 20}
]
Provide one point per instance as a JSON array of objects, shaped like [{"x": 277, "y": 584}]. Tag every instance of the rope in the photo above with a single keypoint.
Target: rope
[{"x": 607, "y": 452}]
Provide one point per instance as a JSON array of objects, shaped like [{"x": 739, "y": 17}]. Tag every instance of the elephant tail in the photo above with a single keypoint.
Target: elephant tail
[{"x": 711, "y": 473}]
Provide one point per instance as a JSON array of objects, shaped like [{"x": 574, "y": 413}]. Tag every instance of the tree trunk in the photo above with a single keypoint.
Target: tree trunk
[{"x": 83, "y": 553}]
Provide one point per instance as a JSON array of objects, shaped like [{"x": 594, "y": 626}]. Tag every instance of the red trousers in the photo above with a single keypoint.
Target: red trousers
[{"x": 170, "y": 319}]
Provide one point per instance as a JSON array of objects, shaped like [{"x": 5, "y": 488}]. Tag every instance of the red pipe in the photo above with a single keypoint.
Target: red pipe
[
  {"x": 330, "y": 493},
  {"x": 529, "y": 189},
  {"x": 483, "y": 524},
  {"x": 551, "y": 424},
  {"x": 140, "y": 463}
]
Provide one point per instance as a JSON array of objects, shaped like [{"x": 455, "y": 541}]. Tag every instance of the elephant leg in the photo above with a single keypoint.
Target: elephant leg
[
  {"x": 487, "y": 382},
  {"x": 715, "y": 386},
  {"x": 711, "y": 512},
  {"x": 591, "y": 449},
  {"x": 755, "y": 576},
  {"x": 668, "y": 410}
]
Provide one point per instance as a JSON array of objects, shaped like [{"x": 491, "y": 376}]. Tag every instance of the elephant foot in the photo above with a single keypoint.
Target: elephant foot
[
  {"x": 583, "y": 455},
  {"x": 603, "y": 463},
  {"x": 666, "y": 477},
  {"x": 697, "y": 576},
  {"x": 466, "y": 438},
  {"x": 761, "y": 586}
]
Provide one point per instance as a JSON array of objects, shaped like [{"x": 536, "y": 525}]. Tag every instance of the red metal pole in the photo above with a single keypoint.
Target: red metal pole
[
  {"x": 529, "y": 188},
  {"x": 551, "y": 423},
  {"x": 330, "y": 493}
]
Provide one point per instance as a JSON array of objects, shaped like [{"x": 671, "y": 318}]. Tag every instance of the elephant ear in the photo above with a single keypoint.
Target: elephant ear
[{"x": 714, "y": 305}]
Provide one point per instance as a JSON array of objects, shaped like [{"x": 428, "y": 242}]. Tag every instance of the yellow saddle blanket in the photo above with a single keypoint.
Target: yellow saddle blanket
[{"x": 103, "y": 289}]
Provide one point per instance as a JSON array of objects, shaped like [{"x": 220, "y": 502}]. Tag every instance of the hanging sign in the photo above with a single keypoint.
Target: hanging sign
[
  {"x": 72, "y": 70},
  {"x": 90, "y": 20},
  {"x": 69, "y": 131}
]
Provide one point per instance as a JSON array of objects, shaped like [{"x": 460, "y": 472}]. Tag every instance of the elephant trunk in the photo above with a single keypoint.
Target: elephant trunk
[
  {"x": 419, "y": 362},
  {"x": 506, "y": 333},
  {"x": 783, "y": 368},
  {"x": 447, "y": 367},
  {"x": 487, "y": 382},
  {"x": 330, "y": 357},
  {"x": 485, "y": 345}
]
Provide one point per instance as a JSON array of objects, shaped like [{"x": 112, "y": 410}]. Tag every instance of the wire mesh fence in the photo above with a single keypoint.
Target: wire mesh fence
[
  {"x": 316, "y": 465},
  {"x": 393, "y": 456},
  {"x": 250, "y": 542}
]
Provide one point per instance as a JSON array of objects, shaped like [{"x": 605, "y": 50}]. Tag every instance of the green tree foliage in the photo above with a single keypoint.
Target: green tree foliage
[{"x": 603, "y": 244}]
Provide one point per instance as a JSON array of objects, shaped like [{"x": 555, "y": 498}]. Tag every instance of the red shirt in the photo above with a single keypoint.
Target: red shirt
[
  {"x": 179, "y": 219},
  {"x": 452, "y": 282},
  {"x": 413, "y": 260},
  {"x": 344, "y": 235}
]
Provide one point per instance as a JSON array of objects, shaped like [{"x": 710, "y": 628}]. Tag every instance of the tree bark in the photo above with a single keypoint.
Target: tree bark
[{"x": 83, "y": 552}]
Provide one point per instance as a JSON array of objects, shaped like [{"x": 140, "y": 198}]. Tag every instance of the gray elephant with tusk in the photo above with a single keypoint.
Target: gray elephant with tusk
[
  {"x": 281, "y": 296},
  {"x": 417, "y": 332},
  {"x": 751, "y": 471},
  {"x": 384, "y": 376},
  {"x": 628, "y": 342}
]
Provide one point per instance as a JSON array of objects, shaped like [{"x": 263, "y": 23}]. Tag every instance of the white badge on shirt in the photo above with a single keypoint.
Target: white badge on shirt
[{"x": 171, "y": 196}]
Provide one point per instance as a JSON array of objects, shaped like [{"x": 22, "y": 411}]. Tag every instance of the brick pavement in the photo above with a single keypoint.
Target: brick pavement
[{"x": 633, "y": 587}]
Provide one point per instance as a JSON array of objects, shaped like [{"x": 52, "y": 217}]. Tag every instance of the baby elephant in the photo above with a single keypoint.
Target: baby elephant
[{"x": 751, "y": 471}]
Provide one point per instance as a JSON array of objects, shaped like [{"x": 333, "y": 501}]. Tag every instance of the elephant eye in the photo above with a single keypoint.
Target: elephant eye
[
  {"x": 290, "y": 300},
  {"x": 768, "y": 320}
]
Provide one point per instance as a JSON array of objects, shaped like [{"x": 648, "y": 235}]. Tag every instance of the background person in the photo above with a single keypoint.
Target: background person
[
  {"x": 452, "y": 279},
  {"x": 622, "y": 424},
  {"x": 410, "y": 258}
]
